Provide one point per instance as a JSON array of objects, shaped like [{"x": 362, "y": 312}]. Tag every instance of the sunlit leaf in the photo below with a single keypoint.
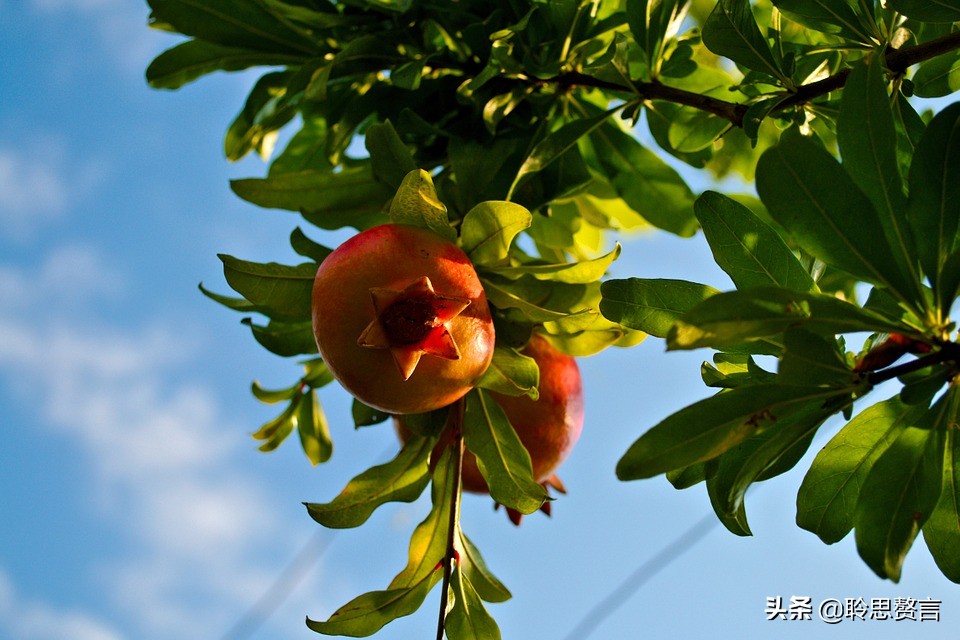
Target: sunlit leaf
[
  {"x": 487, "y": 585},
  {"x": 489, "y": 228},
  {"x": 746, "y": 247},
  {"x": 402, "y": 479},
  {"x": 501, "y": 457},
  {"x": 511, "y": 373},
  {"x": 468, "y": 619},
  {"x": 281, "y": 291},
  {"x": 416, "y": 203},
  {"x": 365, "y": 615},
  {"x": 313, "y": 429}
]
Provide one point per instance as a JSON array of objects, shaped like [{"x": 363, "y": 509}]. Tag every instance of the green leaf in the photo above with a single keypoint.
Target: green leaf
[
  {"x": 468, "y": 619},
  {"x": 710, "y": 427},
  {"x": 828, "y": 496},
  {"x": 770, "y": 453},
  {"x": 313, "y": 429},
  {"x": 329, "y": 200},
  {"x": 650, "y": 305},
  {"x": 284, "y": 338},
  {"x": 275, "y": 431},
  {"x": 364, "y": 416},
  {"x": 900, "y": 492},
  {"x": 511, "y": 373},
  {"x": 585, "y": 343},
  {"x": 271, "y": 396},
  {"x": 938, "y": 76},
  {"x": 652, "y": 22},
  {"x": 306, "y": 150},
  {"x": 732, "y": 32},
  {"x": 807, "y": 192},
  {"x": 390, "y": 157},
  {"x": 934, "y": 193},
  {"x": 511, "y": 294},
  {"x": 307, "y": 247},
  {"x": 475, "y": 569},
  {"x": 746, "y": 247},
  {"x": 840, "y": 17},
  {"x": 270, "y": 105},
  {"x": 402, "y": 479},
  {"x": 317, "y": 373},
  {"x": 942, "y": 531},
  {"x": 365, "y": 615},
  {"x": 559, "y": 142},
  {"x": 190, "y": 60},
  {"x": 810, "y": 360},
  {"x": 489, "y": 228},
  {"x": 280, "y": 291},
  {"x": 501, "y": 457},
  {"x": 730, "y": 318},
  {"x": 692, "y": 130},
  {"x": 645, "y": 182},
  {"x": 236, "y": 304},
  {"x": 868, "y": 146},
  {"x": 416, "y": 203},
  {"x": 927, "y": 10},
  {"x": 583, "y": 272},
  {"x": 428, "y": 544},
  {"x": 247, "y": 24}
]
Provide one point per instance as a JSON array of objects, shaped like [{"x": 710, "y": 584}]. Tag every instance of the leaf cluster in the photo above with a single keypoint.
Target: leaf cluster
[{"x": 510, "y": 129}]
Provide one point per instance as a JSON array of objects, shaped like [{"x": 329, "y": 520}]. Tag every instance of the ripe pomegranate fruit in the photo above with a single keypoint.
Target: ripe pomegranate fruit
[
  {"x": 548, "y": 427},
  {"x": 401, "y": 320}
]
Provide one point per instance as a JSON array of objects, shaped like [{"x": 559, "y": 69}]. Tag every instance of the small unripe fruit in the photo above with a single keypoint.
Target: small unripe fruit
[{"x": 401, "y": 320}]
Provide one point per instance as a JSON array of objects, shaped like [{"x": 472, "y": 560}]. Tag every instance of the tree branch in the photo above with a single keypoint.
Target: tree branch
[
  {"x": 898, "y": 60},
  {"x": 456, "y": 419},
  {"x": 950, "y": 352}
]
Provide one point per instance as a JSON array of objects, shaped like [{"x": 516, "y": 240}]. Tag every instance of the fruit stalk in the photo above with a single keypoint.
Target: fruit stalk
[{"x": 456, "y": 426}]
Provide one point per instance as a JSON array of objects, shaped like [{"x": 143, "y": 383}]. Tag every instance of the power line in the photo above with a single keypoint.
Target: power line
[
  {"x": 641, "y": 575},
  {"x": 284, "y": 584}
]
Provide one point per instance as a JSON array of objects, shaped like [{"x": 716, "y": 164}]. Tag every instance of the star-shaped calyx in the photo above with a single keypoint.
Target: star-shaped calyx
[{"x": 412, "y": 322}]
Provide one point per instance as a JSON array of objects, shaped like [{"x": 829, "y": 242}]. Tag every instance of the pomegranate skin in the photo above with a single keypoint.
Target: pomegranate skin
[{"x": 394, "y": 257}]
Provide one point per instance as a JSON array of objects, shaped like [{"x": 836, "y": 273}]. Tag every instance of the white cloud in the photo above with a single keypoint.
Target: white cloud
[
  {"x": 160, "y": 450},
  {"x": 120, "y": 24},
  {"x": 37, "y": 187},
  {"x": 26, "y": 619}
]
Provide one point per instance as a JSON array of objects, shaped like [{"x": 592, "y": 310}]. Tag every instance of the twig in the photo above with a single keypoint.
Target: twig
[
  {"x": 456, "y": 417},
  {"x": 898, "y": 60},
  {"x": 950, "y": 352}
]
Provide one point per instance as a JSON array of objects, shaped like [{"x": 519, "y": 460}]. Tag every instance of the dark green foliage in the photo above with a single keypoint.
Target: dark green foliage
[{"x": 507, "y": 127}]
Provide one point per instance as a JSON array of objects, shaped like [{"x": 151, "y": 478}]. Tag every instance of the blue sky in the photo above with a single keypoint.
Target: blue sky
[{"x": 134, "y": 503}]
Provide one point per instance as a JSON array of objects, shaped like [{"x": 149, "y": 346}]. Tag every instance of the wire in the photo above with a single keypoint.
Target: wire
[
  {"x": 641, "y": 575},
  {"x": 284, "y": 584}
]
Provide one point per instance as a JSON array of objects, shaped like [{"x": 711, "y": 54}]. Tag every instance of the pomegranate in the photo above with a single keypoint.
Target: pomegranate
[
  {"x": 548, "y": 427},
  {"x": 401, "y": 320}
]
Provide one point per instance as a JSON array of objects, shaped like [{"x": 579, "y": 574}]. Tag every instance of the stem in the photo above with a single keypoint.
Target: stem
[
  {"x": 949, "y": 352},
  {"x": 456, "y": 423},
  {"x": 898, "y": 60}
]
